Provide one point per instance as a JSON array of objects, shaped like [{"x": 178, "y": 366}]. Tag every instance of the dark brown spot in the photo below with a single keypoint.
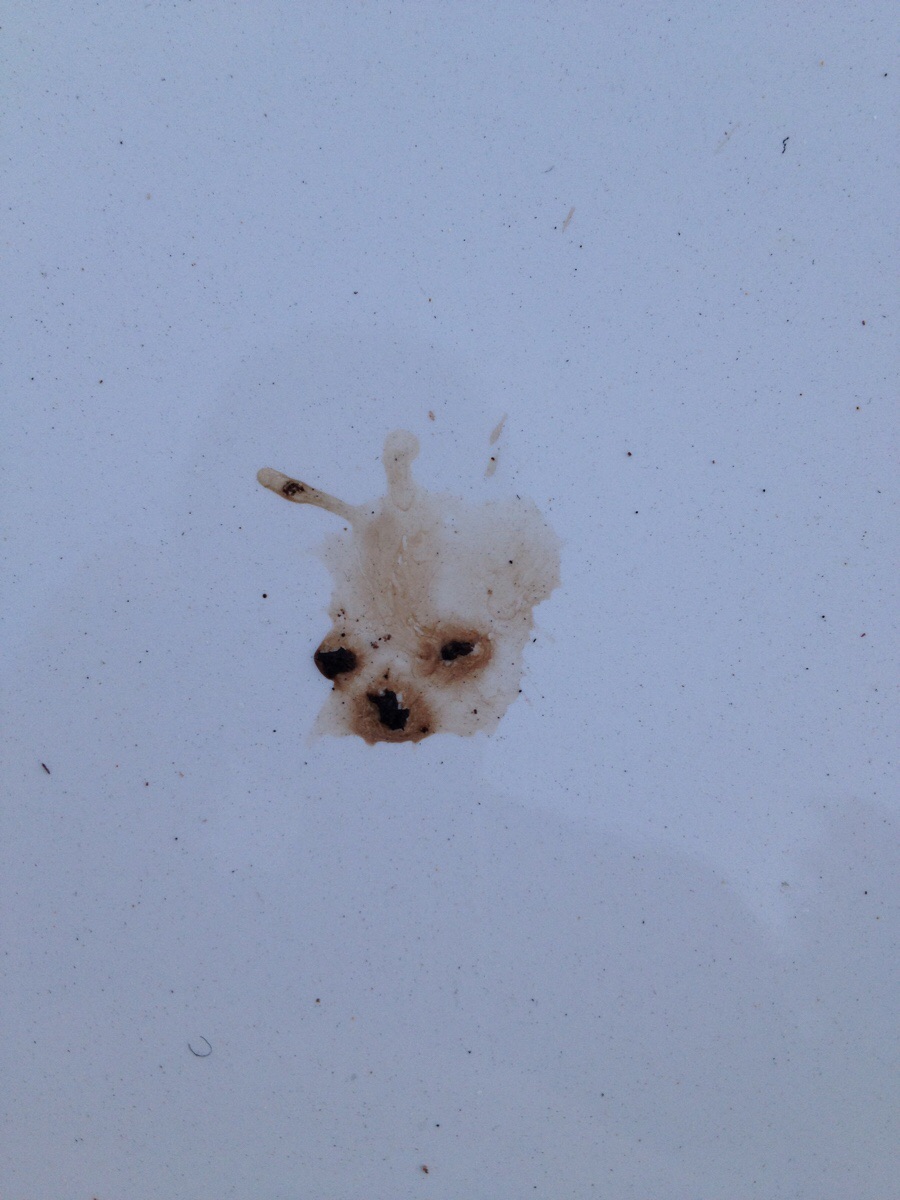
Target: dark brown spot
[
  {"x": 456, "y": 649},
  {"x": 452, "y": 653},
  {"x": 390, "y": 714},
  {"x": 335, "y": 662}
]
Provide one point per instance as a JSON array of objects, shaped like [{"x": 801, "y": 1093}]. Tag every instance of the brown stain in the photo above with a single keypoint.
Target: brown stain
[
  {"x": 432, "y": 604},
  {"x": 398, "y": 713},
  {"x": 453, "y": 653}
]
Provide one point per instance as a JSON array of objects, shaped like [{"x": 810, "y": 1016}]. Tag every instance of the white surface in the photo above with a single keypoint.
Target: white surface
[{"x": 640, "y": 944}]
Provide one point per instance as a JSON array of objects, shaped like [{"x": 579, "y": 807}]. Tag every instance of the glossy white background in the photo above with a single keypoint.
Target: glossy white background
[{"x": 642, "y": 942}]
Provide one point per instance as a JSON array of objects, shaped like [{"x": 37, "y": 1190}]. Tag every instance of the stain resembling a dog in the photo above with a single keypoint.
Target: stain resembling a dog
[{"x": 432, "y": 604}]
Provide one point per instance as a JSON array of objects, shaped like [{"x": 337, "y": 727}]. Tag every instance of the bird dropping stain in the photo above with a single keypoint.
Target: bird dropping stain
[{"x": 432, "y": 604}]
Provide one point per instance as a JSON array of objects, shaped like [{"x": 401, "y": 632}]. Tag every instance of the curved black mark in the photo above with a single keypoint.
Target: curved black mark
[{"x": 201, "y": 1053}]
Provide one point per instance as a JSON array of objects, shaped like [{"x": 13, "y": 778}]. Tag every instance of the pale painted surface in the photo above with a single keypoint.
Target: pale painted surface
[{"x": 640, "y": 943}]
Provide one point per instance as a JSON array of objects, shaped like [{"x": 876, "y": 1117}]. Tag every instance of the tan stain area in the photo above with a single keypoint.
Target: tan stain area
[{"x": 432, "y": 604}]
